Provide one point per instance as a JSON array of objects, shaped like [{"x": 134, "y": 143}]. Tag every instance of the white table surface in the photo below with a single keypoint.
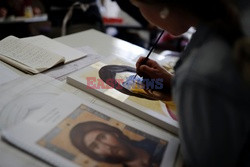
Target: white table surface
[{"x": 102, "y": 43}]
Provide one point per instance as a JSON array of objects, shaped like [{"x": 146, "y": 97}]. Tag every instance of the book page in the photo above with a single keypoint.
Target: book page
[
  {"x": 58, "y": 136},
  {"x": 21, "y": 52},
  {"x": 61, "y": 72},
  {"x": 70, "y": 54},
  {"x": 24, "y": 95}
]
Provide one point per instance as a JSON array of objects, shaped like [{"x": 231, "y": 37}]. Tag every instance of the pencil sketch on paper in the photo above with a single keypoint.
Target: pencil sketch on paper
[
  {"x": 17, "y": 101},
  {"x": 22, "y": 106}
]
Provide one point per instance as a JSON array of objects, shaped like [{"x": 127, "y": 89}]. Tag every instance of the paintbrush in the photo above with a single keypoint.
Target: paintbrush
[{"x": 152, "y": 48}]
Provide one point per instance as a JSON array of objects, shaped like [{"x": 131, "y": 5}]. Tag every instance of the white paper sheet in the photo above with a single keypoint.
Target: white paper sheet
[
  {"x": 23, "y": 96},
  {"x": 7, "y": 74},
  {"x": 61, "y": 72}
]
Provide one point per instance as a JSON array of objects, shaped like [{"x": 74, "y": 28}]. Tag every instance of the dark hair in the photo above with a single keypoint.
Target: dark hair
[{"x": 79, "y": 131}]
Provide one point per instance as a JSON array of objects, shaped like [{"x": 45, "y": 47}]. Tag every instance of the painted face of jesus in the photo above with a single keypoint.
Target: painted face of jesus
[{"x": 108, "y": 144}]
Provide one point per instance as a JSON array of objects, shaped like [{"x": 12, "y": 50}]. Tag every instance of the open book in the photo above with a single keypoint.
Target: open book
[
  {"x": 36, "y": 54},
  {"x": 69, "y": 131},
  {"x": 109, "y": 80}
]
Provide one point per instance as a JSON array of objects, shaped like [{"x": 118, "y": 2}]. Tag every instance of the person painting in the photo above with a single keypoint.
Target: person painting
[
  {"x": 105, "y": 143},
  {"x": 211, "y": 83}
]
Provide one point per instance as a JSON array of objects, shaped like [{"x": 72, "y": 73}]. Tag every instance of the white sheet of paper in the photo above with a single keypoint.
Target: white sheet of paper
[
  {"x": 61, "y": 72},
  {"x": 23, "y": 96},
  {"x": 7, "y": 74},
  {"x": 17, "y": 101}
]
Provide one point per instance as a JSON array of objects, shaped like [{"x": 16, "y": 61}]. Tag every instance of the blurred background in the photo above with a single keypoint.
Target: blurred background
[{"x": 55, "y": 18}]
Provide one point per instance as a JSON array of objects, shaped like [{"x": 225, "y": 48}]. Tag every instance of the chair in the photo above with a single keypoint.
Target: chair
[{"x": 70, "y": 16}]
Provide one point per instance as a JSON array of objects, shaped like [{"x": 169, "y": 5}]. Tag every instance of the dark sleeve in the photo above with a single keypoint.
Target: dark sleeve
[
  {"x": 133, "y": 11},
  {"x": 213, "y": 131}
]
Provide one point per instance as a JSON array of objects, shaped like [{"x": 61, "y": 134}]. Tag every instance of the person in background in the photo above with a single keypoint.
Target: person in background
[
  {"x": 133, "y": 11},
  {"x": 16, "y": 15},
  {"x": 71, "y": 16},
  {"x": 133, "y": 37},
  {"x": 18, "y": 7},
  {"x": 167, "y": 41},
  {"x": 3, "y": 12},
  {"x": 211, "y": 83}
]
